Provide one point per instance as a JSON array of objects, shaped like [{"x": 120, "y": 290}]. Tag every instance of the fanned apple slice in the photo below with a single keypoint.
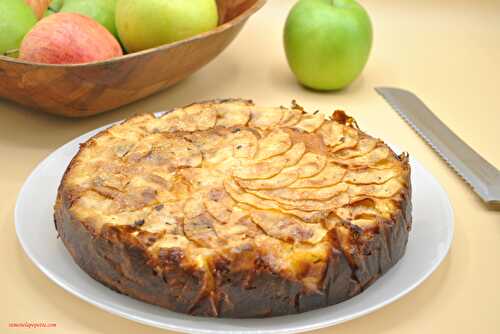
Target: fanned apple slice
[
  {"x": 370, "y": 175},
  {"x": 287, "y": 228},
  {"x": 180, "y": 152},
  {"x": 199, "y": 117},
  {"x": 294, "y": 154},
  {"x": 218, "y": 154},
  {"x": 261, "y": 170},
  {"x": 365, "y": 145},
  {"x": 233, "y": 113},
  {"x": 332, "y": 133},
  {"x": 194, "y": 206},
  {"x": 310, "y": 217},
  {"x": 136, "y": 120},
  {"x": 265, "y": 118},
  {"x": 160, "y": 149},
  {"x": 276, "y": 142},
  {"x": 330, "y": 175},
  {"x": 219, "y": 204},
  {"x": 386, "y": 190},
  {"x": 297, "y": 194},
  {"x": 192, "y": 118},
  {"x": 310, "y": 165},
  {"x": 245, "y": 144},
  {"x": 270, "y": 167},
  {"x": 239, "y": 195},
  {"x": 239, "y": 226},
  {"x": 378, "y": 154},
  {"x": 281, "y": 180},
  {"x": 311, "y": 205},
  {"x": 309, "y": 122},
  {"x": 237, "y": 231},
  {"x": 350, "y": 139},
  {"x": 291, "y": 116},
  {"x": 168, "y": 122},
  {"x": 140, "y": 149},
  {"x": 206, "y": 141},
  {"x": 112, "y": 180},
  {"x": 132, "y": 129},
  {"x": 304, "y": 205}
]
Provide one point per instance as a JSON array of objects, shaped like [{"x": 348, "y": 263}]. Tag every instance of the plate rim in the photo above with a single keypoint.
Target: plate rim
[{"x": 69, "y": 287}]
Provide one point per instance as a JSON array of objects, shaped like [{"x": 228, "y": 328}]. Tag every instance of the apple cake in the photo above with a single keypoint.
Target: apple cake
[{"x": 227, "y": 209}]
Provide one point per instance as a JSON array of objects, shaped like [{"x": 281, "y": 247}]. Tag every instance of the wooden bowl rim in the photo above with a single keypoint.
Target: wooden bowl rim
[{"x": 217, "y": 30}]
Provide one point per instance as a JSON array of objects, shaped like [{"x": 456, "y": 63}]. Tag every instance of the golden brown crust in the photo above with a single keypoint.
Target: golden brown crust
[{"x": 226, "y": 209}]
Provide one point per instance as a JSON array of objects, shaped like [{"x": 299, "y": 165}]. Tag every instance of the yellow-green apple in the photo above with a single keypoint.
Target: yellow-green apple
[
  {"x": 16, "y": 19},
  {"x": 146, "y": 24},
  {"x": 39, "y": 6},
  {"x": 103, "y": 11},
  {"x": 68, "y": 38},
  {"x": 327, "y": 42}
]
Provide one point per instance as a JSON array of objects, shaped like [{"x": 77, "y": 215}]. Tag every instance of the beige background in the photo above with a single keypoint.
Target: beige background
[{"x": 448, "y": 52}]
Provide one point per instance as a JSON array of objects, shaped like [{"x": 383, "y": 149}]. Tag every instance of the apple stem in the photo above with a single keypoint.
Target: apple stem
[
  {"x": 11, "y": 53},
  {"x": 57, "y": 8}
]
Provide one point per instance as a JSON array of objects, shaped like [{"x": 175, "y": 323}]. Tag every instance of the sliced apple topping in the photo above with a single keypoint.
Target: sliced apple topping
[
  {"x": 265, "y": 118},
  {"x": 230, "y": 178}
]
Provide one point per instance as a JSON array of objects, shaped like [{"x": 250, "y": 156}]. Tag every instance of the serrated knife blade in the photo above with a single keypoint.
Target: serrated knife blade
[{"x": 474, "y": 169}]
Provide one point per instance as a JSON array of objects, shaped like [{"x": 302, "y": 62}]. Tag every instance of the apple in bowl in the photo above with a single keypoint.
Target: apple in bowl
[
  {"x": 16, "y": 19},
  {"x": 144, "y": 25},
  {"x": 103, "y": 11},
  {"x": 68, "y": 38},
  {"x": 78, "y": 90},
  {"x": 71, "y": 32}
]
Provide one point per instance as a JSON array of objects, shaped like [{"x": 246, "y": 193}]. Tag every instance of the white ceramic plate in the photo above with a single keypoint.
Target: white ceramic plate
[{"x": 429, "y": 242}]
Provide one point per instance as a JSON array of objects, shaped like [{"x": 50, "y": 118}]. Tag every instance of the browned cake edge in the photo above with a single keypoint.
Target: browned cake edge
[{"x": 115, "y": 259}]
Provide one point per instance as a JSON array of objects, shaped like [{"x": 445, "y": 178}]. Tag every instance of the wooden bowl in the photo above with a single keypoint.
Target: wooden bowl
[{"x": 88, "y": 89}]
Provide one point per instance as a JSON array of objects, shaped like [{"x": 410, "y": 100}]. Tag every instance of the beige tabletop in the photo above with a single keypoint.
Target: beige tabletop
[{"x": 448, "y": 52}]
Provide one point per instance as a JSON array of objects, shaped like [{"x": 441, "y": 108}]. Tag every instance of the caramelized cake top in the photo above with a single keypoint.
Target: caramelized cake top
[{"x": 220, "y": 178}]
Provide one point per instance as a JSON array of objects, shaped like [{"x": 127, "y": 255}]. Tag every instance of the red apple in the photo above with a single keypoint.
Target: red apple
[
  {"x": 38, "y": 6},
  {"x": 68, "y": 38}
]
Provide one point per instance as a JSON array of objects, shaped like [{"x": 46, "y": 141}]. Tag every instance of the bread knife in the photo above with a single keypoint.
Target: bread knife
[{"x": 483, "y": 177}]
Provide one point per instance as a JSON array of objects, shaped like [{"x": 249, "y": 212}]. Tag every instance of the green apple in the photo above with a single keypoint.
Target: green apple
[
  {"x": 49, "y": 12},
  {"x": 54, "y": 7},
  {"x": 327, "y": 42},
  {"x": 147, "y": 24},
  {"x": 16, "y": 19},
  {"x": 103, "y": 11}
]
